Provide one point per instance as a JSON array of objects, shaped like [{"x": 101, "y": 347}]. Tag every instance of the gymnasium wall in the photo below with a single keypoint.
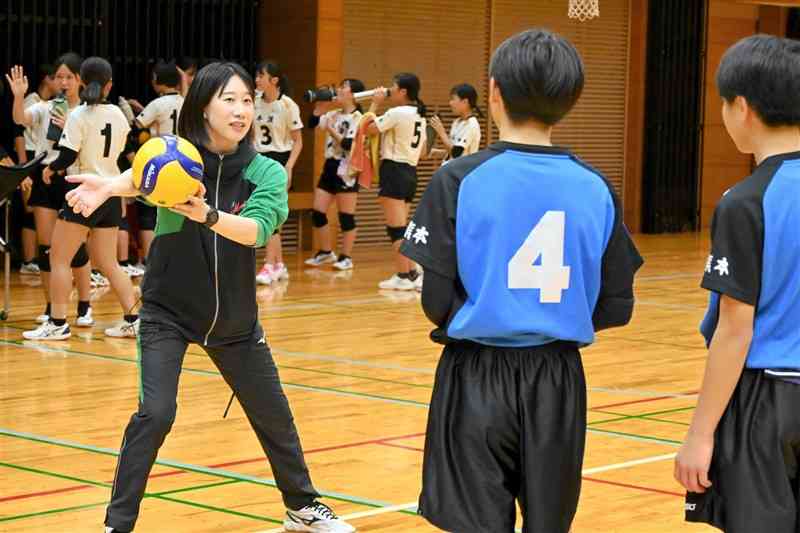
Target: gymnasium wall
[
  {"x": 723, "y": 164},
  {"x": 450, "y": 41}
]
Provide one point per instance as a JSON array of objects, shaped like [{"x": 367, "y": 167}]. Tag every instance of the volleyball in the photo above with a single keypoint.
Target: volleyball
[{"x": 167, "y": 170}]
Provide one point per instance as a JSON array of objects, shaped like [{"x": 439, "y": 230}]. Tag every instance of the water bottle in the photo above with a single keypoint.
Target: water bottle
[{"x": 59, "y": 108}]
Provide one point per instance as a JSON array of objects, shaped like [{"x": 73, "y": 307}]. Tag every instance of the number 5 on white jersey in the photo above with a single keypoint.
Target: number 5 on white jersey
[{"x": 551, "y": 277}]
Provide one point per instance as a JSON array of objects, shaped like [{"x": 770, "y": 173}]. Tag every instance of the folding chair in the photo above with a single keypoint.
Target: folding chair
[{"x": 10, "y": 178}]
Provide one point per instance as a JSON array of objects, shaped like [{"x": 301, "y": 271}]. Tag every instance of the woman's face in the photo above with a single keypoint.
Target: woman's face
[
  {"x": 458, "y": 105},
  {"x": 229, "y": 114},
  {"x": 397, "y": 95},
  {"x": 67, "y": 81},
  {"x": 266, "y": 83},
  {"x": 344, "y": 93}
]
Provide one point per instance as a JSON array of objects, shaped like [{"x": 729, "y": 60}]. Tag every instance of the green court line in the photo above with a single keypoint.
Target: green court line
[
  {"x": 197, "y": 487},
  {"x": 54, "y": 474},
  {"x": 634, "y": 436},
  {"x": 52, "y": 511},
  {"x": 643, "y": 416},
  {"x": 217, "y": 472},
  {"x": 218, "y": 509},
  {"x": 314, "y": 388}
]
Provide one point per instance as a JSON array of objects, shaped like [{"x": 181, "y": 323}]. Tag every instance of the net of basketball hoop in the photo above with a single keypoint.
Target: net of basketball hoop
[{"x": 584, "y": 10}]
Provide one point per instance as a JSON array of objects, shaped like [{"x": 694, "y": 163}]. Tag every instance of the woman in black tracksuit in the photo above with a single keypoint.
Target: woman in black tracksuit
[{"x": 199, "y": 288}]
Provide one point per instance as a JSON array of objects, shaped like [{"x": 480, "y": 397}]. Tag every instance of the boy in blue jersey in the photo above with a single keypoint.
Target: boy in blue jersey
[
  {"x": 525, "y": 257},
  {"x": 739, "y": 462}
]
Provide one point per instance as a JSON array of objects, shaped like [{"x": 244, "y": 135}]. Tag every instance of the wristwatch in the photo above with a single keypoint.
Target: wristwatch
[{"x": 211, "y": 217}]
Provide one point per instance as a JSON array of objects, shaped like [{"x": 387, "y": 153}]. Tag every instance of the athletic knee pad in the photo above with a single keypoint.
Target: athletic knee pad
[
  {"x": 44, "y": 258},
  {"x": 319, "y": 219},
  {"x": 347, "y": 221},
  {"x": 81, "y": 257},
  {"x": 396, "y": 233},
  {"x": 29, "y": 222}
]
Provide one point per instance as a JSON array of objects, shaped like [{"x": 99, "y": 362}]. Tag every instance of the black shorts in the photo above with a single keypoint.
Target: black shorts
[
  {"x": 398, "y": 180},
  {"x": 754, "y": 469},
  {"x": 505, "y": 424},
  {"x": 147, "y": 216},
  {"x": 331, "y": 182},
  {"x": 280, "y": 157},
  {"x": 108, "y": 215},
  {"x": 47, "y": 196}
]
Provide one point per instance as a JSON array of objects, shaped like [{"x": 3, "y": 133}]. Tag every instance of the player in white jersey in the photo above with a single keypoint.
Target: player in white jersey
[
  {"x": 161, "y": 115},
  {"x": 46, "y": 119},
  {"x": 340, "y": 125},
  {"x": 403, "y": 132},
  {"x": 465, "y": 132},
  {"x": 93, "y": 139},
  {"x": 278, "y": 135}
]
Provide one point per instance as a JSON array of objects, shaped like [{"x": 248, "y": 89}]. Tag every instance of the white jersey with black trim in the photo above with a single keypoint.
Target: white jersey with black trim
[
  {"x": 466, "y": 133},
  {"x": 274, "y": 123},
  {"x": 403, "y": 134},
  {"x": 345, "y": 125},
  {"x": 162, "y": 114},
  {"x": 40, "y": 122},
  {"x": 98, "y": 133},
  {"x": 30, "y": 135}
]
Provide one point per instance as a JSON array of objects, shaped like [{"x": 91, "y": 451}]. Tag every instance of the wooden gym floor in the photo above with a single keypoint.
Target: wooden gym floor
[{"x": 358, "y": 369}]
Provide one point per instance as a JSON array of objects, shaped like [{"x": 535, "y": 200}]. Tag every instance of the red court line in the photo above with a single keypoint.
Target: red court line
[
  {"x": 220, "y": 465},
  {"x": 400, "y": 446},
  {"x": 645, "y": 400},
  {"x": 636, "y": 487},
  {"x": 45, "y": 493}
]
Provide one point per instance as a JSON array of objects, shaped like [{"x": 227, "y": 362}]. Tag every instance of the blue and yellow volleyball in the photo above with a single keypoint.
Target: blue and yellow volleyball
[{"x": 167, "y": 170}]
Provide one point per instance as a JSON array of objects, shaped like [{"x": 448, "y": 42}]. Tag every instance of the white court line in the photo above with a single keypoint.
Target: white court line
[{"x": 413, "y": 505}]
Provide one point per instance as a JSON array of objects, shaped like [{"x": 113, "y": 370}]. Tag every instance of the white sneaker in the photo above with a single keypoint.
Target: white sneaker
[
  {"x": 343, "y": 264},
  {"x": 124, "y": 330},
  {"x": 48, "y": 332},
  {"x": 98, "y": 279},
  {"x": 280, "y": 272},
  {"x": 321, "y": 258},
  {"x": 85, "y": 321},
  {"x": 418, "y": 282},
  {"x": 317, "y": 518},
  {"x": 29, "y": 268},
  {"x": 132, "y": 271},
  {"x": 43, "y": 319},
  {"x": 264, "y": 276},
  {"x": 396, "y": 283}
]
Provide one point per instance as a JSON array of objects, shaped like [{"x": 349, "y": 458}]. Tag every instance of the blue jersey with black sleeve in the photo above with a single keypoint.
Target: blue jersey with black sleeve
[
  {"x": 534, "y": 241},
  {"x": 755, "y": 253}
]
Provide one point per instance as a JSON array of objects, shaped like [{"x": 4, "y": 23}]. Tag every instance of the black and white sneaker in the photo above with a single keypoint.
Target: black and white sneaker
[{"x": 316, "y": 518}]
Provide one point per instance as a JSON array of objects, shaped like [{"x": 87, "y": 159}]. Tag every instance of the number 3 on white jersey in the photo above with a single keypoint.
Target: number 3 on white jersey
[{"x": 551, "y": 277}]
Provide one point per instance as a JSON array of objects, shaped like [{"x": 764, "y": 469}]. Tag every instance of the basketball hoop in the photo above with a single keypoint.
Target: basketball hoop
[{"x": 584, "y": 10}]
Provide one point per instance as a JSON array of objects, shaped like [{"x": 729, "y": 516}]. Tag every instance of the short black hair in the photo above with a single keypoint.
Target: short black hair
[
  {"x": 71, "y": 60},
  {"x": 211, "y": 80},
  {"x": 765, "y": 71},
  {"x": 540, "y": 76},
  {"x": 187, "y": 62},
  {"x": 166, "y": 74}
]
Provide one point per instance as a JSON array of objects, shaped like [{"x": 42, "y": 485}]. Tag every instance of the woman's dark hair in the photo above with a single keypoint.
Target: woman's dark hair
[
  {"x": 465, "y": 91},
  {"x": 274, "y": 69},
  {"x": 95, "y": 74},
  {"x": 71, "y": 60},
  {"x": 765, "y": 71},
  {"x": 356, "y": 86},
  {"x": 210, "y": 81},
  {"x": 187, "y": 62},
  {"x": 166, "y": 74},
  {"x": 410, "y": 82},
  {"x": 539, "y": 75}
]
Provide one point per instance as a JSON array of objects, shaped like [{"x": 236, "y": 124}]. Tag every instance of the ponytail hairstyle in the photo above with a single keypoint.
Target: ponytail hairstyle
[
  {"x": 274, "y": 70},
  {"x": 95, "y": 74},
  {"x": 410, "y": 82},
  {"x": 356, "y": 86},
  {"x": 465, "y": 91}
]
